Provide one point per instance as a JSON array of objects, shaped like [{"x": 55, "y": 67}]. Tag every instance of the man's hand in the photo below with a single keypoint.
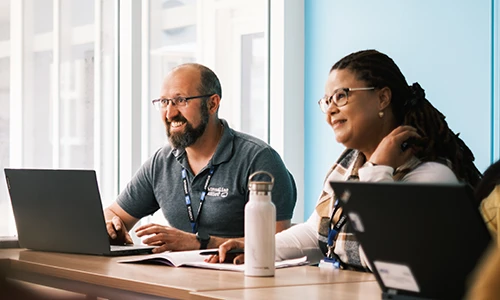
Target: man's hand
[
  {"x": 117, "y": 232},
  {"x": 226, "y": 246},
  {"x": 167, "y": 238}
]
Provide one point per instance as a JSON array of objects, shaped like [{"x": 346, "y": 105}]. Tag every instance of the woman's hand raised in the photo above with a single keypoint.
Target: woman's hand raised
[{"x": 389, "y": 151}]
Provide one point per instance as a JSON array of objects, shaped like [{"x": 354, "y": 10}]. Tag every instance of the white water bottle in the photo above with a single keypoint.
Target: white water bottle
[{"x": 260, "y": 227}]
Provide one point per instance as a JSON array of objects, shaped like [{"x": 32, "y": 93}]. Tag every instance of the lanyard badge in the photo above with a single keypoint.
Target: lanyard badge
[
  {"x": 187, "y": 197},
  {"x": 332, "y": 235}
]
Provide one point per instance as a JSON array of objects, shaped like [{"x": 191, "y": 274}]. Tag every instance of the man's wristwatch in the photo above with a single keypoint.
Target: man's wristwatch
[{"x": 203, "y": 238}]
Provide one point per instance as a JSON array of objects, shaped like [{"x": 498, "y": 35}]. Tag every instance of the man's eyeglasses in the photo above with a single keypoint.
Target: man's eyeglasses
[
  {"x": 339, "y": 97},
  {"x": 162, "y": 103}
]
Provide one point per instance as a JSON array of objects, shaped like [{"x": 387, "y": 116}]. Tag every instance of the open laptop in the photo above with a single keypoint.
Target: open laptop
[
  {"x": 421, "y": 240},
  {"x": 61, "y": 211}
]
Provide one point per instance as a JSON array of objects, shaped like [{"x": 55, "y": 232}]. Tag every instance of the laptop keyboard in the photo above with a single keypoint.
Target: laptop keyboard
[
  {"x": 120, "y": 248},
  {"x": 128, "y": 247}
]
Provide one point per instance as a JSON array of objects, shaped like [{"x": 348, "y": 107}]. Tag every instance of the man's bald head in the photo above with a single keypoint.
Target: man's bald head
[{"x": 208, "y": 82}]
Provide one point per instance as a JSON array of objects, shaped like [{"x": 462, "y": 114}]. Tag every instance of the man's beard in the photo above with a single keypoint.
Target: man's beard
[{"x": 190, "y": 135}]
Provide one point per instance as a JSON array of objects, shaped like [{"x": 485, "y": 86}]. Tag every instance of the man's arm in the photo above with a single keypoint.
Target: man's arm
[
  {"x": 217, "y": 241},
  {"x": 169, "y": 238},
  {"x": 284, "y": 192},
  {"x": 118, "y": 223},
  {"x": 172, "y": 239},
  {"x": 282, "y": 225}
]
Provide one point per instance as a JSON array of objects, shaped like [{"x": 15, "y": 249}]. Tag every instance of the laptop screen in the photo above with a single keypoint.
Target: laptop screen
[
  {"x": 421, "y": 240},
  {"x": 58, "y": 210}
]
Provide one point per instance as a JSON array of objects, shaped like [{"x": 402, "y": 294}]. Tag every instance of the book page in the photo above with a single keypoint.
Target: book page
[
  {"x": 194, "y": 259},
  {"x": 171, "y": 258},
  {"x": 241, "y": 268}
]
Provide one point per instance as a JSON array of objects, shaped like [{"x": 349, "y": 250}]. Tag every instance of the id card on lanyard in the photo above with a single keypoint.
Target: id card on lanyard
[{"x": 187, "y": 196}]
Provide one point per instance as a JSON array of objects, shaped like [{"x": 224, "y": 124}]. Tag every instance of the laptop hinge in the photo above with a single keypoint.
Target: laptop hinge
[{"x": 392, "y": 294}]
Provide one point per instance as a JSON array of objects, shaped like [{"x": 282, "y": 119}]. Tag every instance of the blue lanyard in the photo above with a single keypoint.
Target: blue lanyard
[
  {"x": 187, "y": 196},
  {"x": 333, "y": 232},
  {"x": 335, "y": 228}
]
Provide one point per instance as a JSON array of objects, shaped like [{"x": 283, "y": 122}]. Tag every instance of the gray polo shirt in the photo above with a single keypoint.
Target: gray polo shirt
[{"x": 158, "y": 185}]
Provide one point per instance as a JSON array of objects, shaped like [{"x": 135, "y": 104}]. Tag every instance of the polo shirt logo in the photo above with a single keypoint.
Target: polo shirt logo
[{"x": 218, "y": 192}]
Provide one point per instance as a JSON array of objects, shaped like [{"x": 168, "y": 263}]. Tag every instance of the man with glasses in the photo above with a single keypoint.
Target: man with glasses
[{"x": 200, "y": 180}]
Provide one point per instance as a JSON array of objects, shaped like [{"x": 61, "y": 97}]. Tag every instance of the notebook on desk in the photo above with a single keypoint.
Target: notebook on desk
[
  {"x": 61, "y": 211},
  {"x": 421, "y": 240}
]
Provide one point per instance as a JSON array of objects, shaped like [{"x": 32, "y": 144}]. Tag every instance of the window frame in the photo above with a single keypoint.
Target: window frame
[
  {"x": 286, "y": 89},
  {"x": 284, "y": 77}
]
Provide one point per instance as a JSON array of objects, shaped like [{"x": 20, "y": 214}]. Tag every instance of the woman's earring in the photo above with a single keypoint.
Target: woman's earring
[{"x": 381, "y": 114}]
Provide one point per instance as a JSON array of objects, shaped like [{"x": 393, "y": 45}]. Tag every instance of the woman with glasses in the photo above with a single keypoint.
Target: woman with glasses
[{"x": 391, "y": 133}]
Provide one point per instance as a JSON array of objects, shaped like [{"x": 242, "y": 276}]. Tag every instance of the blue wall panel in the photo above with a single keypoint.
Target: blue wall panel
[{"x": 444, "y": 45}]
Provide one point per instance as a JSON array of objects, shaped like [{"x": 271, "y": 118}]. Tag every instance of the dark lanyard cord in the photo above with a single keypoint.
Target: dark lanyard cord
[
  {"x": 335, "y": 229},
  {"x": 195, "y": 222}
]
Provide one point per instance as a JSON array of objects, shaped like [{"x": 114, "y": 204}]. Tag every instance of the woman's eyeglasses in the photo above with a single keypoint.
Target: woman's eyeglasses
[{"x": 339, "y": 97}]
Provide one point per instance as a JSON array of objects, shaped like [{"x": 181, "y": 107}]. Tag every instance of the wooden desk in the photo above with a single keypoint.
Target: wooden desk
[
  {"x": 366, "y": 290},
  {"x": 105, "y": 277}
]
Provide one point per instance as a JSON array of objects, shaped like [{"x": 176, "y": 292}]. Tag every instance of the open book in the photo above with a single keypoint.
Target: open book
[{"x": 194, "y": 259}]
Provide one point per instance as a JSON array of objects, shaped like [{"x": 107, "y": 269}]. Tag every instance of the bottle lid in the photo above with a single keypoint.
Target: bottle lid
[{"x": 260, "y": 186}]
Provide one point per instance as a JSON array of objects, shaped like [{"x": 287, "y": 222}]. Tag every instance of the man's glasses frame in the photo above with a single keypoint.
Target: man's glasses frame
[
  {"x": 339, "y": 97},
  {"x": 162, "y": 103}
]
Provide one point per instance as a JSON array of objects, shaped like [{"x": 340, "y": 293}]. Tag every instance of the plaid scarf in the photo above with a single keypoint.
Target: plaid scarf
[{"x": 347, "y": 249}]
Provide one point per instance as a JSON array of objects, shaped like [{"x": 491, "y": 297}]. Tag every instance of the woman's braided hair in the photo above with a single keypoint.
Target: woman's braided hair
[{"x": 410, "y": 107}]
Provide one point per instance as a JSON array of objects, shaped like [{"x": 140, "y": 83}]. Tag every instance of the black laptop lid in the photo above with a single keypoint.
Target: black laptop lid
[
  {"x": 421, "y": 240},
  {"x": 58, "y": 210}
]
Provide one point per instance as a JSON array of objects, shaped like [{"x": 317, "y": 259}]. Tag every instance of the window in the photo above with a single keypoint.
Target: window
[
  {"x": 61, "y": 97},
  {"x": 226, "y": 36},
  {"x": 71, "y": 101},
  {"x": 6, "y": 218}
]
